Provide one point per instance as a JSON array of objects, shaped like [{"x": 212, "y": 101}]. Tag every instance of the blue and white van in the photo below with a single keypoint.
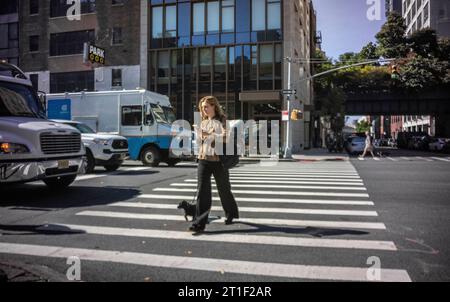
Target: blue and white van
[{"x": 145, "y": 118}]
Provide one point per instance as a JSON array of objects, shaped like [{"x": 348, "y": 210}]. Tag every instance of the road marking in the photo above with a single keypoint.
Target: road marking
[
  {"x": 423, "y": 158},
  {"x": 252, "y": 209},
  {"x": 123, "y": 170},
  {"x": 263, "y": 221},
  {"x": 355, "y": 180},
  {"x": 390, "y": 158},
  {"x": 405, "y": 158},
  {"x": 280, "y": 186},
  {"x": 360, "y": 183},
  {"x": 263, "y": 200},
  {"x": 295, "y": 173},
  {"x": 376, "y": 158},
  {"x": 295, "y": 176},
  {"x": 361, "y": 158},
  {"x": 207, "y": 264},
  {"x": 441, "y": 159},
  {"x": 257, "y": 192},
  {"x": 300, "y": 170},
  {"x": 235, "y": 238}
]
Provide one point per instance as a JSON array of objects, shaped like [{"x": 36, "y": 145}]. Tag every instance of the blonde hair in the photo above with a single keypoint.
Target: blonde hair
[{"x": 212, "y": 101}]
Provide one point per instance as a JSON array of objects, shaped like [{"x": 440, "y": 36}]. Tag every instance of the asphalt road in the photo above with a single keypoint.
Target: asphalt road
[{"x": 300, "y": 221}]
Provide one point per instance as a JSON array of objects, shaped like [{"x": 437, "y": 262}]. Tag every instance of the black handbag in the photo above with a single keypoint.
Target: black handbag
[{"x": 230, "y": 161}]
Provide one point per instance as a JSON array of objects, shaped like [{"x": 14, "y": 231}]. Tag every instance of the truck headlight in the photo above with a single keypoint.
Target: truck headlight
[
  {"x": 101, "y": 141},
  {"x": 7, "y": 148}
]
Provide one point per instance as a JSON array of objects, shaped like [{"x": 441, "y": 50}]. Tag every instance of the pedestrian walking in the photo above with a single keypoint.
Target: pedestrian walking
[
  {"x": 211, "y": 131},
  {"x": 368, "y": 145}
]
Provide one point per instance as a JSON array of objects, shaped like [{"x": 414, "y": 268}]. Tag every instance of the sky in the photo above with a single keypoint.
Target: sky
[{"x": 345, "y": 26}]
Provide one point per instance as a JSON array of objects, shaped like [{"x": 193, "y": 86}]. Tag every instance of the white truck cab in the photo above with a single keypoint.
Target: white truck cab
[
  {"x": 32, "y": 147},
  {"x": 102, "y": 149}
]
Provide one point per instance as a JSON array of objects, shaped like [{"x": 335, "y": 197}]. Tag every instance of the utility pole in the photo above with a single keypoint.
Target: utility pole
[{"x": 287, "y": 149}]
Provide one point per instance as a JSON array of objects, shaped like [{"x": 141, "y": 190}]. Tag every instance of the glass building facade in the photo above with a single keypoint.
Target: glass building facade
[{"x": 220, "y": 48}]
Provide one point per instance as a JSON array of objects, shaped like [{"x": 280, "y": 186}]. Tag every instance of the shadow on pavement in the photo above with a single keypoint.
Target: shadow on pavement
[{"x": 46, "y": 229}]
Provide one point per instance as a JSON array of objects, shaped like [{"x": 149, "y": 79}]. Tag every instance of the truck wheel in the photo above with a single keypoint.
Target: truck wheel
[
  {"x": 60, "y": 182},
  {"x": 111, "y": 168},
  {"x": 90, "y": 166},
  {"x": 151, "y": 157},
  {"x": 172, "y": 162}
]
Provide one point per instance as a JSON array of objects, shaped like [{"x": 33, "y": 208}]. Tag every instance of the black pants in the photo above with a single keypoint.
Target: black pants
[{"x": 204, "y": 198}]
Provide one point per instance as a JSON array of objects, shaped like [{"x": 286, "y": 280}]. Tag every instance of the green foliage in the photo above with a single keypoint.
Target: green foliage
[
  {"x": 362, "y": 126},
  {"x": 391, "y": 38}
]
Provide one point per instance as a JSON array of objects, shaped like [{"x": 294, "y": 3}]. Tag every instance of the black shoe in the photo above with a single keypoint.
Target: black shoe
[
  {"x": 229, "y": 221},
  {"x": 196, "y": 228}
]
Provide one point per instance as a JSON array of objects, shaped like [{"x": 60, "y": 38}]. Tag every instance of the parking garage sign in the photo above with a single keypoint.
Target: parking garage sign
[{"x": 94, "y": 54}]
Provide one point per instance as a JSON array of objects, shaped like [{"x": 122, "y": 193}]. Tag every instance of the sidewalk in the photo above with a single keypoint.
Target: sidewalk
[{"x": 26, "y": 272}]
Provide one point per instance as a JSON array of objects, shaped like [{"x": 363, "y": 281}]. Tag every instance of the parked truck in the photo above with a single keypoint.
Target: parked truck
[
  {"x": 32, "y": 147},
  {"x": 145, "y": 118}
]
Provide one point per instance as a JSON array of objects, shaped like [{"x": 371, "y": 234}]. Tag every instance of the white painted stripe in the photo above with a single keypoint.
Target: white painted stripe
[
  {"x": 294, "y": 176},
  {"x": 294, "y": 173},
  {"x": 264, "y": 221},
  {"x": 423, "y": 158},
  {"x": 376, "y": 158},
  {"x": 393, "y": 159},
  {"x": 122, "y": 170},
  {"x": 405, "y": 158},
  {"x": 356, "y": 180},
  {"x": 208, "y": 264},
  {"x": 252, "y": 209},
  {"x": 256, "y": 192},
  {"x": 280, "y": 186},
  {"x": 360, "y": 183},
  {"x": 263, "y": 200},
  {"x": 235, "y": 238},
  {"x": 300, "y": 170},
  {"x": 441, "y": 159}
]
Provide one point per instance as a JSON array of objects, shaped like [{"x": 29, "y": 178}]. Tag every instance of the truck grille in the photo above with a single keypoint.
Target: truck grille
[
  {"x": 60, "y": 143},
  {"x": 120, "y": 144}
]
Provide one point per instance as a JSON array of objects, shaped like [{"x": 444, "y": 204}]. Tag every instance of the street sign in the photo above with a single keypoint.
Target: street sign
[
  {"x": 93, "y": 54},
  {"x": 288, "y": 91},
  {"x": 285, "y": 115}
]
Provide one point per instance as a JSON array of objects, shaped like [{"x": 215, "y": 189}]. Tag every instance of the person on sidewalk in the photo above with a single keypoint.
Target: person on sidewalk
[
  {"x": 212, "y": 131},
  {"x": 368, "y": 146}
]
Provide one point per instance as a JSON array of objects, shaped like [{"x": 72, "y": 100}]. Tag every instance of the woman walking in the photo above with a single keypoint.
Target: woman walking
[{"x": 212, "y": 131}]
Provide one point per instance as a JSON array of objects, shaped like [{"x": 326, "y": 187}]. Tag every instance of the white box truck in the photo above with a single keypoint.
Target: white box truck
[
  {"x": 32, "y": 147},
  {"x": 145, "y": 118}
]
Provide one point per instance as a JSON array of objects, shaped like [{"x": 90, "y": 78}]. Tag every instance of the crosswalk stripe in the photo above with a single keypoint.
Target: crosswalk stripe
[
  {"x": 294, "y": 176},
  {"x": 265, "y": 221},
  {"x": 390, "y": 158},
  {"x": 376, "y": 158},
  {"x": 235, "y": 238},
  {"x": 356, "y": 180},
  {"x": 361, "y": 158},
  {"x": 441, "y": 159},
  {"x": 269, "y": 192},
  {"x": 279, "y": 186},
  {"x": 207, "y": 264},
  {"x": 264, "y": 200},
  {"x": 288, "y": 182},
  {"x": 123, "y": 170},
  {"x": 252, "y": 209},
  {"x": 405, "y": 158},
  {"x": 423, "y": 158},
  {"x": 296, "y": 173}
]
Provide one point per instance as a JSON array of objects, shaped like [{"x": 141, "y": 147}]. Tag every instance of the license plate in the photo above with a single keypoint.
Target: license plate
[{"x": 63, "y": 164}]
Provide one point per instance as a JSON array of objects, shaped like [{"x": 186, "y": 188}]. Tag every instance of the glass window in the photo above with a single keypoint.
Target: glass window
[
  {"x": 213, "y": 17},
  {"x": 157, "y": 22},
  {"x": 131, "y": 115},
  {"x": 273, "y": 14},
  {"x": 278, "y": 65},
  {"x": 254, "y": 60},
  {"x": 258, "y": 15},
  {"x": 69, "y": 43},
  {"x": 34, "y": 7},
  {"x": 171, "y": 21},
  {"x": 426, "y": 13},
  {"x": 220, "y": 63},
  {"x": 184, "y": 19},
  {"x": 199, "y": 18},
  {"x": 34, "y": 43},
  {"x": 117, "y": 36},
  {"x": 227, "y": 15},
  {"x": 163, "y": 67},
  {"x": 72, "y": 81},
  {"x": 116, "y": 78},
  {"x": 231, "y": 63},
  {"x": 205, "y": 64},
  {"x": 266, "y": 67}
]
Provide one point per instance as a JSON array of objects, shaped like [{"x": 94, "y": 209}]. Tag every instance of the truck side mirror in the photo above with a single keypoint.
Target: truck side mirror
[{"x": 43, "y": 100}]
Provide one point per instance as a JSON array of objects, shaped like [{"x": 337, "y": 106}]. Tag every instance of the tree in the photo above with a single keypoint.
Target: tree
[
  {"x": 369, "y": 52},
  {"x": 425, "y": 73},
  {"x": 391, "y": 38},
  {"x": 424, "y": 43},
  {"x": 362, "y": 126}
]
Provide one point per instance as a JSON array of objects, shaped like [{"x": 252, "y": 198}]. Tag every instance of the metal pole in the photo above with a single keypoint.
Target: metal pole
[{"x": 287, "y": 149}]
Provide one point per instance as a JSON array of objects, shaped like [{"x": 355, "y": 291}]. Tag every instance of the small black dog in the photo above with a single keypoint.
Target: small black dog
[{"x": 189, "y": 209}]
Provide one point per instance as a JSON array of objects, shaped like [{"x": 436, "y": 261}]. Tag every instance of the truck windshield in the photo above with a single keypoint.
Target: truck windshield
[
  {"x": 19, "y": 100},
  {"x": 158, "y": 111},
  {"x": 170, "y": 115}
]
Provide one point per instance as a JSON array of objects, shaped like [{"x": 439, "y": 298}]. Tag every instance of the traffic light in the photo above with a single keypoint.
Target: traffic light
[
  {"x": 296, "y": 115},
  {"x": 394, "y": 72}
]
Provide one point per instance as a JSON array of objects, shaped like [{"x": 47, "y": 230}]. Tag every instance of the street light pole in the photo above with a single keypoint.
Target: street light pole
[{"x": 287, "y": 149}]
